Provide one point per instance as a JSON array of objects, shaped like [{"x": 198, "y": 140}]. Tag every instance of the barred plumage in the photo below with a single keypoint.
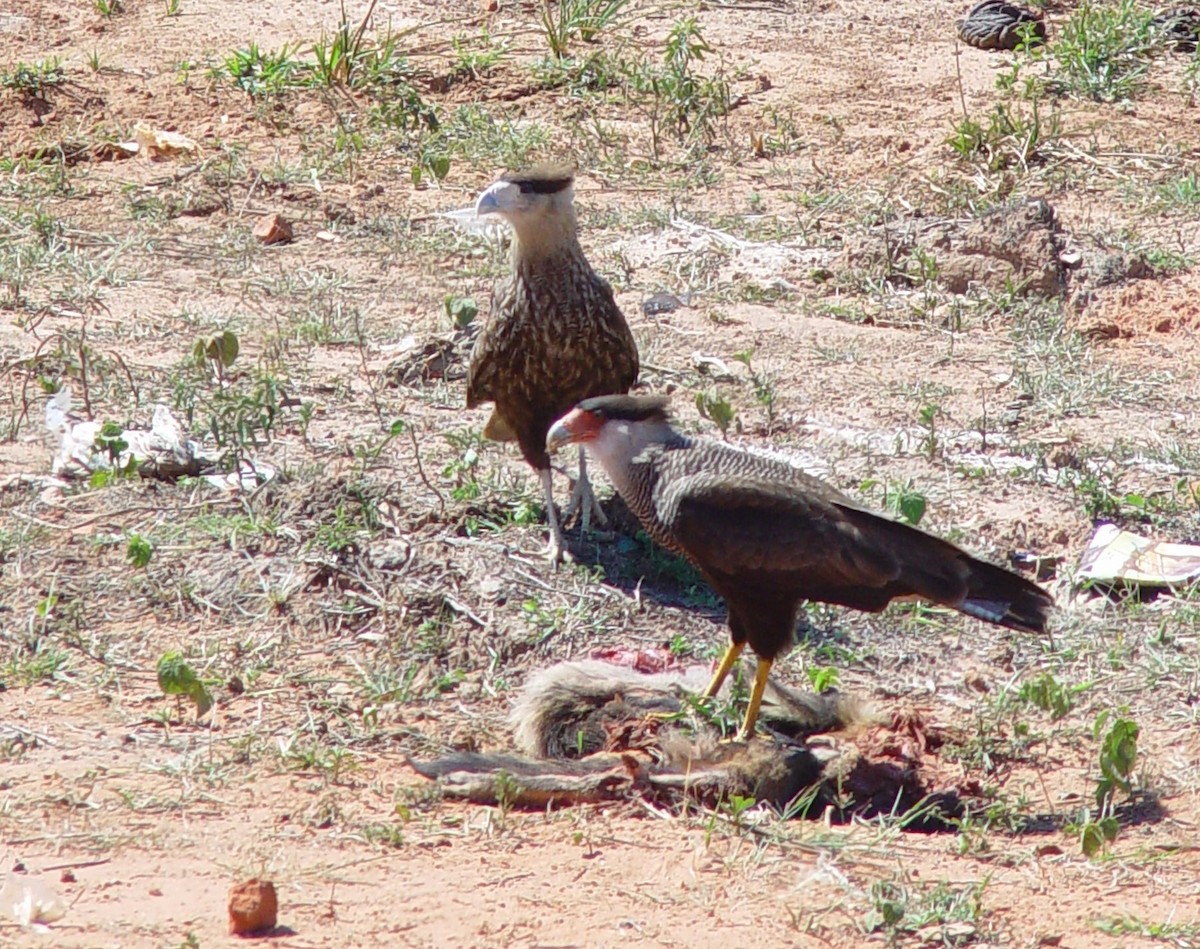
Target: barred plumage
[
  {"x": 555, "y": 335},
  {"x": 768, "y": 536}
]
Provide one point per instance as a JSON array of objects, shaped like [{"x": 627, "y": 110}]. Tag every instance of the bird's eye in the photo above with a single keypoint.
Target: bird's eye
[{"x": 526, "y": 187}]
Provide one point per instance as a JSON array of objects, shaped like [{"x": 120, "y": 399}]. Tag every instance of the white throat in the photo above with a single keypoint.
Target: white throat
[{"x": 619, "y": 446}]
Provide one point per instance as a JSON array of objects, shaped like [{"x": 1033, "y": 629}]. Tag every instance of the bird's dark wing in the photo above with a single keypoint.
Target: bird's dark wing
[
  {"x": 761, "y": 530},
  {"x": 769, "y": 537}
]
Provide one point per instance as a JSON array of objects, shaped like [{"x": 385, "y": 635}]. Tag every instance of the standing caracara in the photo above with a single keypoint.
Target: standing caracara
[
  {"x": 767, "y": 536},
  {"x": 555, "y": 335}
]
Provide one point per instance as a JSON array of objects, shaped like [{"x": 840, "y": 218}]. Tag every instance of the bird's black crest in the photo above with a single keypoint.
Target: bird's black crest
[
  {"x": 542, "y": 179},
  {"x": 629, "y": 408}
]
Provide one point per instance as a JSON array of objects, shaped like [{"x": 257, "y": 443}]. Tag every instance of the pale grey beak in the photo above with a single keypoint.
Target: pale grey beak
[{"x": 558, "y": 436}]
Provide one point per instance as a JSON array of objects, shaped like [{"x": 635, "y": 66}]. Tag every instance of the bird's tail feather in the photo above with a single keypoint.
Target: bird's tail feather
[
  {"x": 1001, "y": 596},
  {"x": 935, "y": 569}
]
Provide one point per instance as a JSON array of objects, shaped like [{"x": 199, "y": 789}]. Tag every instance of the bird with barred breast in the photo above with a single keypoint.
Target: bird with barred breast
[
  {"x": 554, "y": 336},
  {"x": 768, "y": 536}
]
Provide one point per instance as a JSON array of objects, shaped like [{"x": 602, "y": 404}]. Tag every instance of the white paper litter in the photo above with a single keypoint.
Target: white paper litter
[
  {"x": 29, "y": 901},
  {"x": 165, "y": 441},
  {"x": 1113, "y": 554}
]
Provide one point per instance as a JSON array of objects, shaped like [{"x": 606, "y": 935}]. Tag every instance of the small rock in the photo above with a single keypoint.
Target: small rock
[
  {"x": 338, "y": 213},
  {"x": 391, "y": 554},
  {"x": 67, "y": 876},
  {"x": 273, "y": 229},
  {"x": 489, "y": 6},
  {"x": 661, "y": 303},
  {"x": 253, "y": 907},
  {"x": 974, "y": 680},
  {"x": 492, "y": 589}
]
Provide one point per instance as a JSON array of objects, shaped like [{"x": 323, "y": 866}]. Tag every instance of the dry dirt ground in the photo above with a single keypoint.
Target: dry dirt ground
[{"x": 871, "y": 293}]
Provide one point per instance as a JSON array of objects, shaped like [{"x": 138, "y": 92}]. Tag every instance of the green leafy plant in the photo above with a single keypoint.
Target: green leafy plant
[
  {"x": 110, "y": 440},
  {"x": 674, "y": 95},
  {"x": 257, "y": 72},
  {"x": 1103, "y": 50},
  {"x": 218, "y": 351},
  {"x": 822, "y": 678},
  {"x": 737, "y": 805},
  {"x": 1118, "y": 737},
  {"x": 1118, "y": 755},
  {"x": 717, "y": 409},
  {"x": 139, "y": 551},
  {"x": 473, "y": 62},
  {"x": 928, "y": 416},
  {"x": 1048, "y": 694},
  {"x": 349, "y": 58},
  {"x": 462, "y": 472},
  {"x": 1015, "y": 136},
  {"x": 565, "y": 21},
  {"x": 240, "y": 410},
  {"x": 764, "y": 385},
  {"x": 901, "y": 500},
  {"x": 176, "y": 677},
  {"x": 36, "y": 79},
  {"x": 461, "y": 310}
]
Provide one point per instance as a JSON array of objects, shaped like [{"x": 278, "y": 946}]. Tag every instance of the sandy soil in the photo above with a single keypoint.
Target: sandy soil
[{"x": 365, "y": 608}]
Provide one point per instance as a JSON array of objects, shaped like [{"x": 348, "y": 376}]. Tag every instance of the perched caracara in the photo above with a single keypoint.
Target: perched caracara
[
  {"x": 555, "y": 335},
  {"x": 767, "y": 536}
]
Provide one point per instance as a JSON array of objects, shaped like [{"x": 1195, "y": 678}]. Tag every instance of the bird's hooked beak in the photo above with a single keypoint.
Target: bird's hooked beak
[
  {"x": 498, "y": 198},
  {"x": 573, "y": 428}
]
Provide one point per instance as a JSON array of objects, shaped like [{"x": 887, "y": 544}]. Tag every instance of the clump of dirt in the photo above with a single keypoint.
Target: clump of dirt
[
  {"x": 253, "y": 908},
  {"x": 1141, "y": 308},
  {"x": 1019, "y": 245},
  {"x": 441, "y": 356}
]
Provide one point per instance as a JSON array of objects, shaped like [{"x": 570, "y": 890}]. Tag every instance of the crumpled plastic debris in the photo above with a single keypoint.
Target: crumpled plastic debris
[
  {"x": 491, "y": 227},
  {"x": 155, "y": 143},
  {"x": 30, "y": 902},
  {"x": 1114, "y": 555},
  {"x": 162, "y": 451}
]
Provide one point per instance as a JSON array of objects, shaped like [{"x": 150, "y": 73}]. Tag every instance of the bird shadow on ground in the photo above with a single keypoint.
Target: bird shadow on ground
[
  {"x": 636, "y": 565},
  {"x": 1143, "y": 808}
]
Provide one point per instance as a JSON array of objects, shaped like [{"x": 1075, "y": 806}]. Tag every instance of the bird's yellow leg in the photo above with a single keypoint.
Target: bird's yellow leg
[
  {"x": 756, "y": 697},
  {"x": 727, "y": 661}
]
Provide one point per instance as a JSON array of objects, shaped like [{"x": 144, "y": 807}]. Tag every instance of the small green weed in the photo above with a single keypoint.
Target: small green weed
[
  {"x": 1103, "y": 51},
  {"x": 898, "y": 910},
  {"x": 822, "y": 678},
  {"x": 476, "y": 59},
  {"x": 1051, "y": 696},
  {"x": 716, "y": 409},
  {"x": 566, "y": 21},
  {"x": 139, "y": 551},
  {"x": 176, "y": 677},
  {"x": 257, "y": 72},
  {"x": 674, "y": 95},
  {"x": 902, "y": 501},
  {"x": 765, "y": 393},
  {"x": 462, "y": 472},
  {"x": 1118, "y": 755},
  {"x": 36, "y": 79},
  {"x": 1015, "y": 136}
]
